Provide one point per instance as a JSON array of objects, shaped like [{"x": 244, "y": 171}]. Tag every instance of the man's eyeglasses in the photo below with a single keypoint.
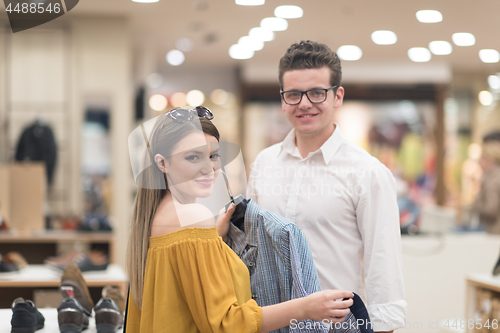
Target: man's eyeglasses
[
  {"x": 182, "y": 115},
  {"x": 315, "y": 96}
]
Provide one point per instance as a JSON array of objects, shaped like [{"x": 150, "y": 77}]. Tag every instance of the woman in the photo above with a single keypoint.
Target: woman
[
  {"x": 183, "y": 277},
  {"x": 487, "y": 202}
]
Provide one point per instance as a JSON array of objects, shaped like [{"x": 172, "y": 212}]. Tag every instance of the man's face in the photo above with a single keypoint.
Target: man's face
[{"x": 308, "y": 118}]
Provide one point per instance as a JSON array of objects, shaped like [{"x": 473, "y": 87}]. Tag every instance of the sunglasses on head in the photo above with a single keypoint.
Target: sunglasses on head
[{"x": 182, "y": 115}]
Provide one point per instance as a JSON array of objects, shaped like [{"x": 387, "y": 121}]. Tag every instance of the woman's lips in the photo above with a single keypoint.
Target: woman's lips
[{"x": 204, "y": 182}]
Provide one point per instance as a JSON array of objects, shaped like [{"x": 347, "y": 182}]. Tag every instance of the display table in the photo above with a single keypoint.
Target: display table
[
  {"x": 475, "y": 282},
  {"x": 51, "y": 324},
  {"x": 34, "y": 277}
]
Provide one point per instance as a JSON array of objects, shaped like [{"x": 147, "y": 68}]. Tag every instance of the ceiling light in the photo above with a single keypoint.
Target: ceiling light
[
  {"x": 175, "y": 57},
  {"x": 250, "y": 2},
  {"x": 184, "y": 44},
  {"x": 489, "y": 56},
  {"x": 485, "y": 98},
  {"x": 463, "y": 39},
  {"x": 349, "y": 52},
  {"x": 219, "y": 96},
  {"x": 158, "y": 102},
  {"x": 238, "y": 51},
  {"x": 251, "y": 43},
  {"x": 440, "y": 47},
  {"x": 145, "y": 1},
  {"x": 178, "y": 99},
  {"x": 274, "y": 24},
  {"x": 494, "y": 82},
  {"x": 429, "y": 16},
  {"x": 419, "y": 54},
  {"x": 288, "y": 12},
  {"x": 195, "y": 98},
  {"x": 262, "y": 34},
  {"x": 384, "y": 37}
]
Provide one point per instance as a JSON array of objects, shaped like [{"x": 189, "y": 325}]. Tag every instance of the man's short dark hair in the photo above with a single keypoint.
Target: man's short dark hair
[
  {"x": 308, "y": 54},
  {"x": 492, "y": 136}
]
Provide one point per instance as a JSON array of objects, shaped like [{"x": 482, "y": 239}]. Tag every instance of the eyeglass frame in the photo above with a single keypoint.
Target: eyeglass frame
[
  {"x": 191, "y": 111},
  {"x": 305, "y": 92}
]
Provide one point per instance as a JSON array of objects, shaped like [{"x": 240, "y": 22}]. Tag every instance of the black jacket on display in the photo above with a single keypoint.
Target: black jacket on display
[{"x": 37, "y": 143}]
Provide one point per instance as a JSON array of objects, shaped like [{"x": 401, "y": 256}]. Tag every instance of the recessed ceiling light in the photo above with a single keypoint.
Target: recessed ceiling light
[
  {"x": 184, "y": 44},
  {"x": 463, "y": 39},
  {"x": 489, "y": 56},
  {"x": 175, "y": 57},
  {"x": 288, "y": 12},
  {"x": 419, "y": 54},
  {"x": 262, "y": 34},
  {"x": 384, "y": 37},
  {"x": 485, "y": 98},
  {"x": 195, "y": 97},
  {"x": 274, "y": 24},
  {"x": 440, "y": 47},
  {"x": 250, "y": 2},
  {"x": 494, "y": 82},
  {"x": 429, "y": 16},
  {"x": 146, "y": 1},
  {"x": 349, "y": 52},
  {"x": 238, "y": 51},
  {"x": 158, "y": 102},
  {"x": 251, "y": 43}
]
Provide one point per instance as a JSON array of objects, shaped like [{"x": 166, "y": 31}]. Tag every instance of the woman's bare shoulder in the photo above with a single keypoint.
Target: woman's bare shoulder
[{"x": 177, "y": 217}]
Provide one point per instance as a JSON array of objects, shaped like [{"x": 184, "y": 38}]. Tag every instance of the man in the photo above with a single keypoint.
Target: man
[{"x": 343, "y": 199}]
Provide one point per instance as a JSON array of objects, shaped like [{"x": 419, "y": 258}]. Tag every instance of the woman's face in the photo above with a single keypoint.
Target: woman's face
[{"x": 194, "y": 166}]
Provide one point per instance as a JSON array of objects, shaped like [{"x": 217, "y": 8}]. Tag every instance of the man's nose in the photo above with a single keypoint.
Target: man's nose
[{"x": 305, "y": 103}]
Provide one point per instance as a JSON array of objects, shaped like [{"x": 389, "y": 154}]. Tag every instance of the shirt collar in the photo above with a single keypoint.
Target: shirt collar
[{"x": 328, "y": 149}]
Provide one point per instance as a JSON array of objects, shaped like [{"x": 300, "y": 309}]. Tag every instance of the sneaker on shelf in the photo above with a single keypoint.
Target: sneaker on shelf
[
  {"x": 116, "y": 295},
  {"x": 6, "y": 268},
  {"x": 71, "y": 316},
  {"x": 72, "y": 280},
  {"x": 62, "y": 260},
  {"x": 108, "y": 315},
  {"x": 92, "y": 261},
  {"x": 14, "y": 258},
  {"x": 25, "y": 316}
]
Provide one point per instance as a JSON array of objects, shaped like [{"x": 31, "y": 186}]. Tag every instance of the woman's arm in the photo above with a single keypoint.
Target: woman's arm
[
  {"x": 223, "y": 221},
  {"x": 319, "y": 306}
]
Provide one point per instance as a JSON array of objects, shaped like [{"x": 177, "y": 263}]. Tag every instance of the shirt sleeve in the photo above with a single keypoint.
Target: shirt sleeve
[
  {"x": 378, "y": 223},
  {"x": 207, "y": 283}
]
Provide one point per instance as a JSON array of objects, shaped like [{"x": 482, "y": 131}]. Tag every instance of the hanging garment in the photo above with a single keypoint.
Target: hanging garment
[
  {"x": 37, "y": 143},
  {"x": 280, "y": 263}
]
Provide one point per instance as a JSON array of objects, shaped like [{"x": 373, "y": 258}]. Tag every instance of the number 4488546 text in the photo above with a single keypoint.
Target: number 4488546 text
[{"x": 34, "y": 8}]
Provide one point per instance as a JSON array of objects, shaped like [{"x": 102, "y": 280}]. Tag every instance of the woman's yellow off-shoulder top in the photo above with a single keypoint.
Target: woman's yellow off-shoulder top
[{"x": 194, "y": 283}]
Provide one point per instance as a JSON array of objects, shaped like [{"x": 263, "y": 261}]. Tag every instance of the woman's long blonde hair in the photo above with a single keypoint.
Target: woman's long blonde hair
[{"x": 165, "y": 136}]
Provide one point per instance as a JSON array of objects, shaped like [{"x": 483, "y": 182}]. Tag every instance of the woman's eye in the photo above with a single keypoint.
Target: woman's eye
[
  {"x": 192, "y": 158},
  {"x": 215, "y": 156}
]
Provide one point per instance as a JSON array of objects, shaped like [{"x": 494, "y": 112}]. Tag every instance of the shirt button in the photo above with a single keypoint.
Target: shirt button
[{"x": 250, "y": 264}]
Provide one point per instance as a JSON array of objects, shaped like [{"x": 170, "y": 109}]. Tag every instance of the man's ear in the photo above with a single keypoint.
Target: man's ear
[
  {"x": 161, "y": 163},
  {"x": 339, "y": 97}
]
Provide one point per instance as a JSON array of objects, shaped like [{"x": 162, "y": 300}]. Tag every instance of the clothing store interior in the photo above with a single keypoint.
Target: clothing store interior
[{"x": 419, "y": 91}]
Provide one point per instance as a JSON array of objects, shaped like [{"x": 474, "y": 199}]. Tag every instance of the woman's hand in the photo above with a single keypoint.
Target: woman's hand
[
  {"x": 223, "y": 221},
  {"x": 328, "y": 305}
]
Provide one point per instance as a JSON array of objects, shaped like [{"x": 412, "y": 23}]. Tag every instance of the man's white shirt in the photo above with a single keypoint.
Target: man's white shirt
[{"x": 344, "y": 200}]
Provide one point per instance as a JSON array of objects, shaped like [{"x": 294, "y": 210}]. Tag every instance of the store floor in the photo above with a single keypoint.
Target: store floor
[{"x": 51, "y": 324}]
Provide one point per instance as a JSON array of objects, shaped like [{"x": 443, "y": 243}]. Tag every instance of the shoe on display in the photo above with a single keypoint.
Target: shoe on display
[
  {"x": 116, "y": 295},
  {"x": 25, "y": 316},
  {"x": 63, "y": 260},
  {"x": 108, "y": 317},
  {"x": 71, "y": 316},
  {"x": 14, "y": 258},
  {"x": 72, "y": 277},
  {"x": 92, "y": 261},
  {"x": 6, "y": 268}
]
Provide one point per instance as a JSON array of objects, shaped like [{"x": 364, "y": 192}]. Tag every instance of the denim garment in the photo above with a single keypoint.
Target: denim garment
[{"x": 280, "y": 262}]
